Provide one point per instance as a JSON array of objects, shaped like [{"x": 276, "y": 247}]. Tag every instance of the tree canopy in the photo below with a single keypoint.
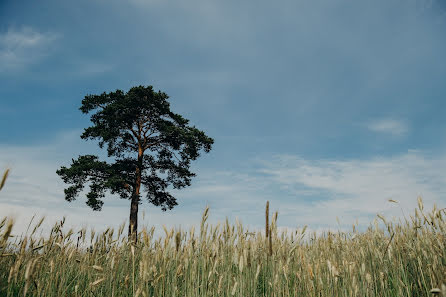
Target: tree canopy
[{"x": 152, "y": 149}]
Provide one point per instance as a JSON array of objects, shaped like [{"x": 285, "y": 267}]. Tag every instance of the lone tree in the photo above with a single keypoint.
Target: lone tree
[{"x": 151, "y": 147}]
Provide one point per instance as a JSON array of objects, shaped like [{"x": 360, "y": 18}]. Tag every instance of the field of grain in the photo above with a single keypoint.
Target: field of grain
[{"x": 406, "y": 258}]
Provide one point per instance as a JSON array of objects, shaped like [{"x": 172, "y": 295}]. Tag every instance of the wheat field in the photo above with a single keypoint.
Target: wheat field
[{"x": 404, "y": 258}]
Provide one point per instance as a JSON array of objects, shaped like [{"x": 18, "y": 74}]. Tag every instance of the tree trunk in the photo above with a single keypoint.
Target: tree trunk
[{"x": 133, "y": 221}]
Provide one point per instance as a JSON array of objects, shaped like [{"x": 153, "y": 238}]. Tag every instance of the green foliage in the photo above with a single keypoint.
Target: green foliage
[{"x": 151, "y": 147}]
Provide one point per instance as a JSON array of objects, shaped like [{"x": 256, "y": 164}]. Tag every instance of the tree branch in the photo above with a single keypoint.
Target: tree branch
[{"x": 135, "y": 134}]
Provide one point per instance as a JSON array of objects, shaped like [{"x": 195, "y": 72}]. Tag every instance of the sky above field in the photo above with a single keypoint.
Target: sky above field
[{"x": 325, "y": 108}]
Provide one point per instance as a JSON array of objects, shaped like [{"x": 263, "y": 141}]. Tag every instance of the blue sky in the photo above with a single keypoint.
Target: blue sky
[{"x": 325, "y": 108}]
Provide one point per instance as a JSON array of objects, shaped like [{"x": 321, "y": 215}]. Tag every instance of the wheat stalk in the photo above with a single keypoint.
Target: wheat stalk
[
  {"x": 230, "y": 261},
  {"x": 5, "y": 176}
]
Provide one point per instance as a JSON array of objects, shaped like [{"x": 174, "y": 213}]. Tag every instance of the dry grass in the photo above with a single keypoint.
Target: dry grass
[
  {"x": 405, "y": 258},
  {"x": 5, "y": 176}
]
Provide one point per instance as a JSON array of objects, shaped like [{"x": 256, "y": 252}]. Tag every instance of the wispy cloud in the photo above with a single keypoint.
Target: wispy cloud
[
  {"x": 360, "y": 188},
  {"x": 22, "y": 47},
  {"x": 388, "y": 126},
  {"x": 305, "y": 192}
]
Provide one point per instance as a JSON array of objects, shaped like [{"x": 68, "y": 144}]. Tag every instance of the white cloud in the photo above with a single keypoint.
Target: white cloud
[
  {"x": 305, "y": 192},
  {"x": 354, "y": 189},
  {"x": 20, "y": 48},
  {"x": 388, "y": 126},
  {"x": 33, "y": 188}
]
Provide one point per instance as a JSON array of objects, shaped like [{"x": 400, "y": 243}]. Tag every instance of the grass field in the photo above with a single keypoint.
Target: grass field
[{"x": 405, "y": 258}]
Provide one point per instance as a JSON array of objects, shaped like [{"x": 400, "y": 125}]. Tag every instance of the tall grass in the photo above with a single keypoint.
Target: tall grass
[
  {"x": 406, "y": 258},
  {"x": 5, "y": 176}
]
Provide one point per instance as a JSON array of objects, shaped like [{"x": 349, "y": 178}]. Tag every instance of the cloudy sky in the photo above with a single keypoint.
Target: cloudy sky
[{"x": 326, "y": 108}]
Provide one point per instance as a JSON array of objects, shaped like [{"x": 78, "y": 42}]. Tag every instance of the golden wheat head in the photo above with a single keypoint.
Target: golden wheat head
[{"x": 5, "y": 176}]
